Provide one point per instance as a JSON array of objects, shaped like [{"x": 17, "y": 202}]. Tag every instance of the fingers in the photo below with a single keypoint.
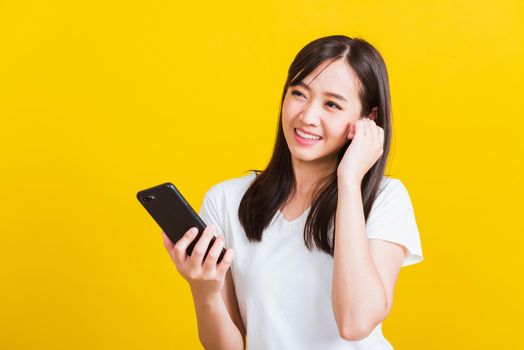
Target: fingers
[
  {"x": 370, "y": 128},
  {"x": 178, "y": 251},
  {"x": 210, "y": 261},
  {"x": 351, "y": 131},
  {"x": 375, "y": 129},
  {"x": 376, "y": 132},
  {"x": 197, "y": 256},
  {"x": 372, "y": 135},
  {"x": 363, "y": 126},
  {"x": 192, "y": 267},
  {"x": 359, "y": 128},
  {"x": 225, "y": 263}
]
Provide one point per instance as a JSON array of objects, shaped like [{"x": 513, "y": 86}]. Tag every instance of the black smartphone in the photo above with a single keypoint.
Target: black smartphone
[{"x": 173, "y": 214}]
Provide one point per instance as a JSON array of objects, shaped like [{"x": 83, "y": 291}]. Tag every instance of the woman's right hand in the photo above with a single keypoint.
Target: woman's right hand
[{"x": 205, "y": 278}]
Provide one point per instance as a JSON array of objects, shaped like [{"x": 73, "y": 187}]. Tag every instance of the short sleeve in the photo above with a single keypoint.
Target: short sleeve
[
  {"x": 211, "y": 210},
  {"x": 392, "y": 219}
]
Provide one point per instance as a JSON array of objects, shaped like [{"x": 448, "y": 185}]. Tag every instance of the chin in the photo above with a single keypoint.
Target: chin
[{"x": 305, "y": 155}]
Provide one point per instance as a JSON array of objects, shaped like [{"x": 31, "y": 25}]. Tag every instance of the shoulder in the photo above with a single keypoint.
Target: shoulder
[
  {"x": 392, "y": 219},
  {"x": 392, "y": 191},
  {"x": 389, "y": 183},
  {"x": 231, "y": 187}
]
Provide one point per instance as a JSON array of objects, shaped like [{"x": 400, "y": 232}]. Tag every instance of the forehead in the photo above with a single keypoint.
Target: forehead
[{"x": 334, "y": 76}]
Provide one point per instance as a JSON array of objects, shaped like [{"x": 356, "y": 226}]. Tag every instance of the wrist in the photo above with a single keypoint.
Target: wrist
[
  {"x": 349, "y": 181},
  {"x": 204, "y": 300}
]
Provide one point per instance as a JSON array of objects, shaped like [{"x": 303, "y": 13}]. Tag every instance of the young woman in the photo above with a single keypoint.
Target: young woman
[{"x": 320, "y": 235}]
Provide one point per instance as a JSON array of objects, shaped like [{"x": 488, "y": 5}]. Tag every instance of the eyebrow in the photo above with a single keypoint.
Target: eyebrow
[{"x": 326, "y": 93}]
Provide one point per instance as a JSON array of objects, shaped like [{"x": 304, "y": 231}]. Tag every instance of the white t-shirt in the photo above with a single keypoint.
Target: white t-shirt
[{"x": 283, "y": 289}]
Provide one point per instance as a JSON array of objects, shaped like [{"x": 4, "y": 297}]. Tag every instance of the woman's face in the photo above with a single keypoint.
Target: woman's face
[{"x": 310, "y": 108}]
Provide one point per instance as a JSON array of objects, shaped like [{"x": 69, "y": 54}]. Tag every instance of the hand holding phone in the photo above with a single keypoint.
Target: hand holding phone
[
  {"x": 206, "y": 279},
  {"x": 208, "y": 261}
]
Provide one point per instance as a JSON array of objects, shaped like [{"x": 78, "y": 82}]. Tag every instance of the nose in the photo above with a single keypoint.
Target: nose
[{"x": 310, "y": 115}]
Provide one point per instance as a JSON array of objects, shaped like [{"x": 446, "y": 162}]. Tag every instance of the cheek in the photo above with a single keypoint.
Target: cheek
[
  {"x": 337, "y": 131},
  {"x": 287, "y": 116},
  {"x": 290, "y": 109}
]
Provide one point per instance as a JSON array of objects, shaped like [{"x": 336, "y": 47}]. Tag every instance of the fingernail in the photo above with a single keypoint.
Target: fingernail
[{"x": 194, "y": 230}]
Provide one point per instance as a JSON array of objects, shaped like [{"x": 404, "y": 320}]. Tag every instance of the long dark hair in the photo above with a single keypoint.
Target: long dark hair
[{"x": 271, "y": 187}]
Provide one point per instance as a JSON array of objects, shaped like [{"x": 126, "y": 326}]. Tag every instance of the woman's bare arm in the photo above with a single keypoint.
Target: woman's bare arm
[
  {"x": 218, "y": 316},
  {"x": 219, "y": 323},
  {"x": 364, "y": 271}
]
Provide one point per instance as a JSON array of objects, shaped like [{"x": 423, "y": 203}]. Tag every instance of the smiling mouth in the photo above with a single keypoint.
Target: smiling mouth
[{"x": 306, "y": 136}]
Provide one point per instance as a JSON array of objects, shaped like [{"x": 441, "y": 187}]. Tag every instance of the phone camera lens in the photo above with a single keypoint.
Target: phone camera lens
[{"x": 148, "y": 198}]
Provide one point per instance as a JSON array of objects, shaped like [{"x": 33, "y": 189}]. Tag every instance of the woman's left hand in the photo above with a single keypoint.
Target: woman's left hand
[{"x": 365, "y": 149}]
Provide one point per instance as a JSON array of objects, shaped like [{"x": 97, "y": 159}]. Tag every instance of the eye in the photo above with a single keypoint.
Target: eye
[
  {"x": 330, "y": 103},
  {"x": 334, "y": 104}
]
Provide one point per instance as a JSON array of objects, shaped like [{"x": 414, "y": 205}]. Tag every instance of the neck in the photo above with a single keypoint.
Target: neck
[{"x": 309, "y": 174}]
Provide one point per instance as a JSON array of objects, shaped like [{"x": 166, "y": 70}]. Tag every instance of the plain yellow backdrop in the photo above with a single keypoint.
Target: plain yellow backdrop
[{"x": 101, "y": 99}]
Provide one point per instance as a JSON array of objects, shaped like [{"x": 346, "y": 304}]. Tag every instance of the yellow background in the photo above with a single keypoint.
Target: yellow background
[{"x": 101, "y": 99}]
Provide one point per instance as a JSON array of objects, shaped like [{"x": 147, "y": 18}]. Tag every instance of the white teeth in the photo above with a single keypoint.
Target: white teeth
[{"x": 306, "y": 136}]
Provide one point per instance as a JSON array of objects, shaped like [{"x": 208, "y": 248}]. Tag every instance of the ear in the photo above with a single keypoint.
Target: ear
[{"x": 373, "y": 114}]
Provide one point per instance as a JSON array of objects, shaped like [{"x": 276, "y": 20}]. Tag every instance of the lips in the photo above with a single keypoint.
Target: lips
[
  {"x": 304, "y": 141},
  {"x": 308, "y": 133}
]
